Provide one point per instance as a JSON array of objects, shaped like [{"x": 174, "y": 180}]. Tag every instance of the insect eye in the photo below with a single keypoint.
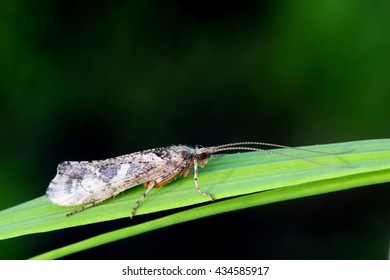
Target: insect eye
[{"x": 203, "y": 156}]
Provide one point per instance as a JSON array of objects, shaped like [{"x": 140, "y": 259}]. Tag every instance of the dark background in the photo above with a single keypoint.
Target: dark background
[{"x": 85, "y": 80}]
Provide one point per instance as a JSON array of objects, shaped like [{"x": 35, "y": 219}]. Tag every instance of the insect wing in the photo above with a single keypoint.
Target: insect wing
[{"x": 83, "y": 182}]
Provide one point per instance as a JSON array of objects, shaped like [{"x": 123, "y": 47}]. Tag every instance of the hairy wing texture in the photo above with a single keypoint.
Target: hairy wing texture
[{"x": 83, "y": 182}]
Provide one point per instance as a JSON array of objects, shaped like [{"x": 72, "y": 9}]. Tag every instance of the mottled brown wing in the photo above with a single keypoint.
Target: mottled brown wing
[{"x": 83, "y": 182}]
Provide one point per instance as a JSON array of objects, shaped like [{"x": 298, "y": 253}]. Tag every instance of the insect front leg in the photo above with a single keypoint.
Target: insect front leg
[
  {"x": 196, "y": 181},
  {"x": 149, "y": 187}
]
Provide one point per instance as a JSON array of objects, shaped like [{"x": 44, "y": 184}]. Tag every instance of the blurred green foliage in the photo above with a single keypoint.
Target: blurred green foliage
[{"x": 87, "y": 80}]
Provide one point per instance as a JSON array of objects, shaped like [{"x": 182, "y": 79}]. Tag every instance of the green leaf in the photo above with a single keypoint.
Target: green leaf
[{"x": 259, "y": 178}]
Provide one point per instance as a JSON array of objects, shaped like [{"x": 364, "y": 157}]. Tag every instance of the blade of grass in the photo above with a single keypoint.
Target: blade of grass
[
  {"x": 277, "y": 195},
  {"x": 227, "y": 176}
]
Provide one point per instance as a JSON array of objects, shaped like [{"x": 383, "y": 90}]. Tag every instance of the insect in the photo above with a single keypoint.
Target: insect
[{"x": 89, "y": 183}]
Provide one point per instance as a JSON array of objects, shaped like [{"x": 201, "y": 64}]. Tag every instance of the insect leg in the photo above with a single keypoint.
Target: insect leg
[
  {"x": 149, "y": 187},
  {"x": 196, "y": 181},
  {"x": 85, "y": 207}
]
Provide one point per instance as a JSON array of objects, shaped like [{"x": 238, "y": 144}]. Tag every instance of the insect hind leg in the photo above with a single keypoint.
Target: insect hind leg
[{"x": 78, "y": 210}]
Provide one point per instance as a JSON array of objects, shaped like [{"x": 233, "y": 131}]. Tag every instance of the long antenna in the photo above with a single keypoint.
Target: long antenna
[
  {"x": 237, "y": 146},
  {"x": 269, "y": 145}
]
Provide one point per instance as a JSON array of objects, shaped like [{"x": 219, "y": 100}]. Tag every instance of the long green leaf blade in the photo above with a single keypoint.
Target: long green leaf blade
[
  {"x": 353, "y": 164},
  {"x": 307, "y": 189}
]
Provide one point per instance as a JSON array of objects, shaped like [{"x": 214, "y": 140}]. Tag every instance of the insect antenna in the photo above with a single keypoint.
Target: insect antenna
[{"x": 239, "y": 146}]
